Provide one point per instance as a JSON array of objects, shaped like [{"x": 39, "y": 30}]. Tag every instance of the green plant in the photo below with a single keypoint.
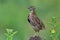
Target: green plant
[
  {"x": 10, "y": 33},
  {"x": 53, "y": 31}
]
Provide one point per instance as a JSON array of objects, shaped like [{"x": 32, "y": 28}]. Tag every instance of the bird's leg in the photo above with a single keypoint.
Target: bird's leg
[{"x": 36, "y": 34}]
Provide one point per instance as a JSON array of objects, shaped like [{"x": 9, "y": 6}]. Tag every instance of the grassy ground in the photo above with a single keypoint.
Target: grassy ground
[{"x": 13, "y": 15}]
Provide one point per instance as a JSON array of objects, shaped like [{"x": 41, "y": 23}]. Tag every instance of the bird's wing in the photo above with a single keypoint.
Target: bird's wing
[{"x": 38, "y": 22}]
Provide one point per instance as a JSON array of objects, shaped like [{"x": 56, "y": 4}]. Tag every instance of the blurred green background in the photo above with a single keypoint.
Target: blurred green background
[{"x": 14, "y": 13}]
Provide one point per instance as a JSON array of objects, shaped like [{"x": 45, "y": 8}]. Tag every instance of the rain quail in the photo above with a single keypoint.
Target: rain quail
[{"x": 36, "y": 23}]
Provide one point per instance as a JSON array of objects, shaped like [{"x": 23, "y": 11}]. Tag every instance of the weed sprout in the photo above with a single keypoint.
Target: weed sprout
[{"x": 10, "y": 33}]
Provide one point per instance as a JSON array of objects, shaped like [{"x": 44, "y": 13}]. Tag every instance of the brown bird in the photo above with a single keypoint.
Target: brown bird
[{"x": 36, "y": 23}]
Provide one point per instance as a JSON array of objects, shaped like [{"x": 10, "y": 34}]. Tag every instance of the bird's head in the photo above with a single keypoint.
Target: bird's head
[{"x": 31, "y": 8}]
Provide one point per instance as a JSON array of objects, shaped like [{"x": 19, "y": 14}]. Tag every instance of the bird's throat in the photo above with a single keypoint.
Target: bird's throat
[{"x": 32, "y": 12}]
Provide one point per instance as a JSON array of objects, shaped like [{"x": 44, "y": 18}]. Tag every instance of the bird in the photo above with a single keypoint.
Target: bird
[{"x": 35, "y": 22}]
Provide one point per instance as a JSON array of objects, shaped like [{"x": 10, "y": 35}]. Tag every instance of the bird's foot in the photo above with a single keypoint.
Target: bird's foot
[{"x": 36, "y": 34}]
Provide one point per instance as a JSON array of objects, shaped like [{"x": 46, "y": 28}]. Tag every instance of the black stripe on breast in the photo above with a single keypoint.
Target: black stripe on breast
[{"x": 28, "y": 19}]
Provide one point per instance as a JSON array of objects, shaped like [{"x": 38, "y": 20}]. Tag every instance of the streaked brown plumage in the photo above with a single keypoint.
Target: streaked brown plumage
[{"x": 36, "y": 23}]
